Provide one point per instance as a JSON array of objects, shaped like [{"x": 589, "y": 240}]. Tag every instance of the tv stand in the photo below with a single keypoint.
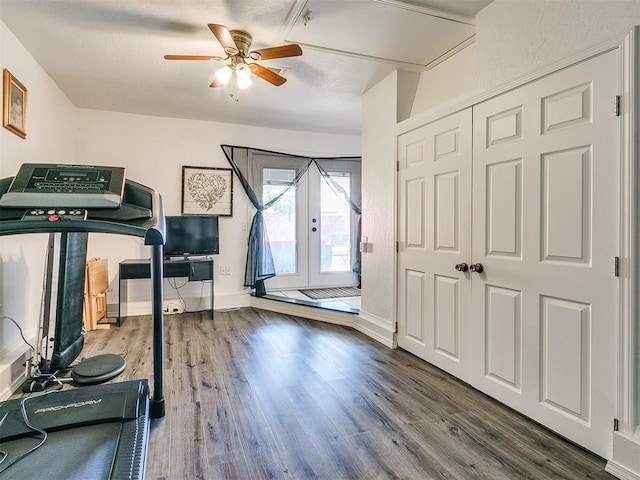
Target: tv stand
[{"x": 195, "y": 269}]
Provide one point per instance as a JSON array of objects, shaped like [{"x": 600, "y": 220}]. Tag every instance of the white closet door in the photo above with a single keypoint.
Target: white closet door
[
  {"x": 545, "y": 229},
  {"x": 434, "y": 193}
]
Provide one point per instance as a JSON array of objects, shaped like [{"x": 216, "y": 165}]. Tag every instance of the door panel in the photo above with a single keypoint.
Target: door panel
[
  {"x": 414, "y": 324},
  {"x": 546, "y": 231},
  {"x": 446, "y": 318},
  {"x": 566, "y": 206},
  {"x": 566, "y": 344},
  {"x": 504, "y": 209},
  {"x": 333, "y": 227},
  {"x": 503, "y": 336},
  {"x": 446, "y": 211},
  {"x": 434, "y": 233}
]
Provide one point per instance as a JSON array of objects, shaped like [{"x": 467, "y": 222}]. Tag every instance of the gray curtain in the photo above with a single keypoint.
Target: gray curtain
[{"x": 246, "y": 163}]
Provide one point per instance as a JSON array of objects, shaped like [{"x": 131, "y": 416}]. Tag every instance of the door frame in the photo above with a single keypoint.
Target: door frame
[{"x": 306, "y": 266}]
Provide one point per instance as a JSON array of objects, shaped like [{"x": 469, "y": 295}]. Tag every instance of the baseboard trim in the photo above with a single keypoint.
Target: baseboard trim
[
  {"x": 13, "y": 370},
  {"x": 620, "y": 472},
  {"x": 377, "y": 328},
  {"x": 312, "y": 313},
  {"x": 380, "y": 329},
  {"x": 625, "y": 463},
  {"x": 221, "y": 302}
]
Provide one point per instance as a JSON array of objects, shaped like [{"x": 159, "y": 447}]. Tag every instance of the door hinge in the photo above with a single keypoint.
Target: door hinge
[
  {"x": 616, "y": 266},
  {"x": 397, "y": 246},
  {"x": 397, "y": 166},
  {"x": 615, "y": 425},
  {"x": 616, "y": 107}
]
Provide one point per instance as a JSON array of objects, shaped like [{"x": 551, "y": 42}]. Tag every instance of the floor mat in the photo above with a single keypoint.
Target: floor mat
[{"x": 322, "y": 293}]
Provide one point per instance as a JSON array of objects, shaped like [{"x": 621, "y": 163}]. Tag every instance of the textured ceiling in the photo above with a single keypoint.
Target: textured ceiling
[{"x": 108, "y": 54}]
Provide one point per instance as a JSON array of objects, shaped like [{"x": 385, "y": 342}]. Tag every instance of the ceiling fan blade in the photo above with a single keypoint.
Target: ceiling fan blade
[
  {"x": 283, "y": 51},
  {"x": 266, "y": 74},
  {"x": 192, "y": 57},
  {"x": 224, "y": 37}
]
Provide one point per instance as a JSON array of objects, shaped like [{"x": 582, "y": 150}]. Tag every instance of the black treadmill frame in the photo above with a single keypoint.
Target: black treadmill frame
[{"x": 121, "y": 221}]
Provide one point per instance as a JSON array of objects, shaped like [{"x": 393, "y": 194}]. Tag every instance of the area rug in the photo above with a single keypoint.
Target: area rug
[{"x": 321, "y": 293}]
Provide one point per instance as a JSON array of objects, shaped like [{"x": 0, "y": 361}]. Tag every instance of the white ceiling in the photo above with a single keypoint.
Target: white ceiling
[{"x": 108, "y": 54}]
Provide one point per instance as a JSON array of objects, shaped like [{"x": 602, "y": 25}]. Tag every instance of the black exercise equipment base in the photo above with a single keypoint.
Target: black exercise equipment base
[
  {"x": 97, "y": 432},
  {"x": 98, "y": 369}
]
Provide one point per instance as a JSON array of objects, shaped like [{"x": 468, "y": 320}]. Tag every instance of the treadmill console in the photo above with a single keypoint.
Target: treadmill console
[
  {"x": 80, "y": 186},
  {"x": 54, "y": 214}
]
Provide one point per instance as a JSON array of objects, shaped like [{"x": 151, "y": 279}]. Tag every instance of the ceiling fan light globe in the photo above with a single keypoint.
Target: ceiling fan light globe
[
  {"x": 244, "y": 82},
  {"x": 224, "y": 74},
  {"x": 243, "y": 70}
]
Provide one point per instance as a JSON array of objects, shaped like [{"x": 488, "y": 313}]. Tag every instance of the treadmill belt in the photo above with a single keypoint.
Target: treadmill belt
[
  {"x": 95, "y": 432},
  {"x": 80, "y": 453}
]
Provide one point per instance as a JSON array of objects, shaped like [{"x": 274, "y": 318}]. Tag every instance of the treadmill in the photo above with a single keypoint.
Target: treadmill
[{"x": 97, "y": 431}]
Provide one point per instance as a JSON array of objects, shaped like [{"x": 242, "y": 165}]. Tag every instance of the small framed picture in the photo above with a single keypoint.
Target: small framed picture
[
  {"x": 14, "y": 105},
  {"x": 207, "y": 191}
]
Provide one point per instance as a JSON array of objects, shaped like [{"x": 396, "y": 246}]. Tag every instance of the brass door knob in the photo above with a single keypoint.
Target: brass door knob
[
  {"x": 462, "y": 267},
  {"x": 476, "y": 267}
]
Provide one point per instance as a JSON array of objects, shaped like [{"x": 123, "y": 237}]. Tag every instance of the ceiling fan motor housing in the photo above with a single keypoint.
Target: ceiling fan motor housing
[{"x": 242, "y": 40}]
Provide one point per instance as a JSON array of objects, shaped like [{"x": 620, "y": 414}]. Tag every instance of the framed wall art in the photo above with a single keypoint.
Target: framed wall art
[
  {"x": 14, "y": 105},
  {"x": 207, "y": 191}
]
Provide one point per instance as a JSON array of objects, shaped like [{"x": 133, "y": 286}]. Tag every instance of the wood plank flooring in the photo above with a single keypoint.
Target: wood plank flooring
[{"x": 261, "y": 395}]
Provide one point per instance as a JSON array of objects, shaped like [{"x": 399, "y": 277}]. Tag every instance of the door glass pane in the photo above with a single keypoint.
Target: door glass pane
[
  {"x": 280, "y": 218},
  {"x": 335, "y": 225}
]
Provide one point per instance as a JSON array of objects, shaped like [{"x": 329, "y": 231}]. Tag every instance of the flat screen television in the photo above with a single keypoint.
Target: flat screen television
[{"x": 189, "y": 235}]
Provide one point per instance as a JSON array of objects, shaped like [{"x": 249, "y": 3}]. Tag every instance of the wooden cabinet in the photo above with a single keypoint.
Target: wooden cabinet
[{"x": 96, "y": 286}]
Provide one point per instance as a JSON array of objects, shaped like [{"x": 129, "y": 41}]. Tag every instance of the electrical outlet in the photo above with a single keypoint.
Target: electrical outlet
[
  {"x": 225, "y": 270},
  {"x": 172, "y": 309}
]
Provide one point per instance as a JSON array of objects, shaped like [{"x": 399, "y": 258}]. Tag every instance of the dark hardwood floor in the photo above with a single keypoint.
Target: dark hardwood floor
[{"x": 260, "y": 395}]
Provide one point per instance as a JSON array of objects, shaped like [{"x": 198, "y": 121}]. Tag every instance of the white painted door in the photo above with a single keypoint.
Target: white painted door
[
  {"x": 434, "y": 233},
  {"x": 333, "y": 226},
  {"x": 539, "y": 213},
  {"x": 545, "y": 229}
]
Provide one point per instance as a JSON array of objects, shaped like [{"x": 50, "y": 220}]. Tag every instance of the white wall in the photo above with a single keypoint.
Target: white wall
[
  {"x": 153, "y": 150},
  {"x": 514, "y": 38},
  {"x": 517, "y": 37},
  {"x": 51, "y": 128},
  {"x": 379, "y": 117},
  {"x": 455, "y": 77}
]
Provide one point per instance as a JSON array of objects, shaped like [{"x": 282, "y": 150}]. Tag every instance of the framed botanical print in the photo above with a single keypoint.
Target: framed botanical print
[
  {"x": 207, "y": 191},
  {"x": 14, "y": 105}
]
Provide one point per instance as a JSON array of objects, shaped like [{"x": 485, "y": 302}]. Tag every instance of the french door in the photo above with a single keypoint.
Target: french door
[{"x": 312, "y": 229}]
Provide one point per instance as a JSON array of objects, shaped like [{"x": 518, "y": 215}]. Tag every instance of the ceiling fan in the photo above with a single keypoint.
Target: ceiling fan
[{"x": 240, "y": 59}]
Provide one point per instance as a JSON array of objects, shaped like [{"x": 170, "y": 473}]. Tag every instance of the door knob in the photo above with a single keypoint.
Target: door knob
[
  {"x": 476, "y": 267},
  {"x": 462, "y": 267}
]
